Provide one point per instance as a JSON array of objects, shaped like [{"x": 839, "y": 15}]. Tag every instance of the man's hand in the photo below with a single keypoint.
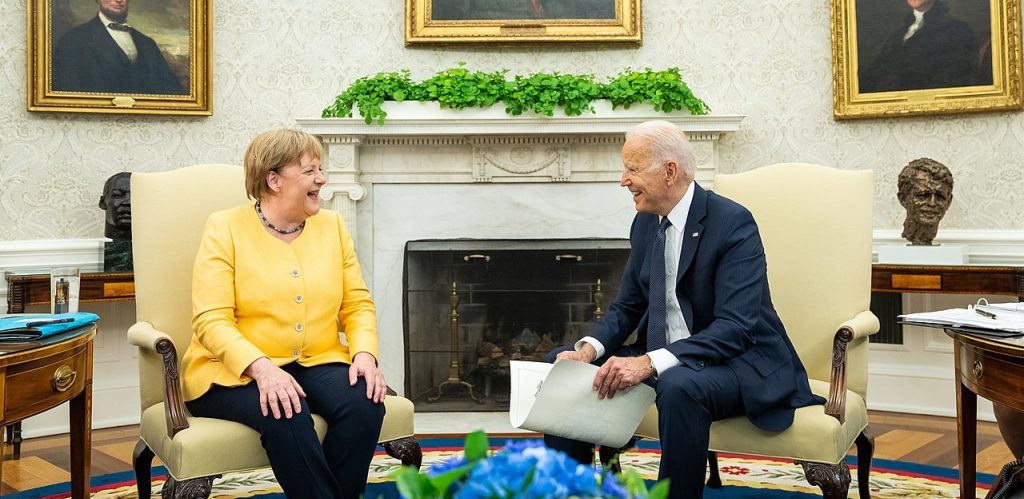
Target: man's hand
[
  {"x": 586, "y": 354},
  {"x": 620, "y": 373},
  {"x": 365, "y": 365},
  {"x": 278, "y": 389}
]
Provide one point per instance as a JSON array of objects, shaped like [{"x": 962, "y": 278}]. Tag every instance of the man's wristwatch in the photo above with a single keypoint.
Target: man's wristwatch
[{"x": 654, "y": 372}]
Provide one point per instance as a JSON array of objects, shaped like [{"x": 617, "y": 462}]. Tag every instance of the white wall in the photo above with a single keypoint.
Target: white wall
[{"x": 275, "y": 61}]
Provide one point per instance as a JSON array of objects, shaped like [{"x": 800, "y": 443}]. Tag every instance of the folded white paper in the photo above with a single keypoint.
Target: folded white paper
[{"x": 559, "y": 399}]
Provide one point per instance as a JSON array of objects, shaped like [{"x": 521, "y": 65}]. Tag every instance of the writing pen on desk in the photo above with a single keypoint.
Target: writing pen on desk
[
  {"x": 985, "y": 313},
  {"x": 47, "y": 322}
]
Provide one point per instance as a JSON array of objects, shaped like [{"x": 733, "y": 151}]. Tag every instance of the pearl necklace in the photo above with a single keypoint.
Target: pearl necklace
[{"x": 273, "y": 227}]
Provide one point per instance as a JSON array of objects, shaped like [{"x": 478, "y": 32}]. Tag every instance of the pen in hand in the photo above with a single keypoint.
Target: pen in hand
[
  {"x": 985, "y": 313},
  {"x": 47, "y": 322}
]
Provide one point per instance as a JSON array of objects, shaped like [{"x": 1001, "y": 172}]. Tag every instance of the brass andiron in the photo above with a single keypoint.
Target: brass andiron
[
  {"x": 454, "y": 371},
  {"x": 598, "y": 297}
]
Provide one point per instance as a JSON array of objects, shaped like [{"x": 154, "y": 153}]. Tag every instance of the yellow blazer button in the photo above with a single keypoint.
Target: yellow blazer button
[
  {"x": 298, "y": 327},
  {"x": 298, "y": 298},
  {"x": 295, "y": 353},
  {"x": 295, "y": 272}
]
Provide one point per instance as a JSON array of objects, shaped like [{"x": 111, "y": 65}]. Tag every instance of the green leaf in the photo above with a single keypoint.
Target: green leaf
[
  {"x": 413, "y": 485},
  {"x": 444, "y": 481},
  {"x": 476, "y": 446}
]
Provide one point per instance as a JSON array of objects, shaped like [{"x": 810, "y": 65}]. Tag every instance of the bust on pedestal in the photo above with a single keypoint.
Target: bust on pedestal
[
  {"x": 116, "y": 200},
  {"x": 925, "y": 189}
]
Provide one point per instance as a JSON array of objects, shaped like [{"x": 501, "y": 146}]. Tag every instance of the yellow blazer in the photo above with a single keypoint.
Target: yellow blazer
[{"x": 254, "y": 295}]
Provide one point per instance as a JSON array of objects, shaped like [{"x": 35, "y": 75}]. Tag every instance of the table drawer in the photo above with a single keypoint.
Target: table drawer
[
  {"x": 992, "y": 375},
  {"x": 33, "y": 390}
]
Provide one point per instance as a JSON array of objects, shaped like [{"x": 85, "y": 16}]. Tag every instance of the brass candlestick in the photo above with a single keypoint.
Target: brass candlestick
[
  {"x": 454, "y": 368},
  {"x": 598, "y": 297}
]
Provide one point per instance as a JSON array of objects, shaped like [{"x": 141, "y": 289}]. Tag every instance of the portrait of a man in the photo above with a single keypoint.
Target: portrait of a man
[
  {"x": 449, "y": 10},
  {"x": 923, "y": 44},
  {"x": 103, "y": 49}
]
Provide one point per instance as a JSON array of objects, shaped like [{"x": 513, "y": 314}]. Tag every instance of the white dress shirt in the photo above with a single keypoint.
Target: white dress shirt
[
  {"x": 677, "y": 329},
  {"x": 122, "y": 38},
  {"x": 918, "y": 22}
]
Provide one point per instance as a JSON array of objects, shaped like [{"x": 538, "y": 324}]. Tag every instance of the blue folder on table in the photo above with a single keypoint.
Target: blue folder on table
[{"x": 28, "y": 327}]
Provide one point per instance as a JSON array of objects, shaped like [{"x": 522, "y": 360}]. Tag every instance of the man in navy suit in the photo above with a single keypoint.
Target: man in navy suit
[
  {"x": 695, "y": 289},
  {"x": 107, "y": 55}
]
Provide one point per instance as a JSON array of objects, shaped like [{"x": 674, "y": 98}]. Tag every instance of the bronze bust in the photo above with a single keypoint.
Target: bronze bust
[
  {"x": 116, "y": 201},
  {"x": 925, "y": 189}
]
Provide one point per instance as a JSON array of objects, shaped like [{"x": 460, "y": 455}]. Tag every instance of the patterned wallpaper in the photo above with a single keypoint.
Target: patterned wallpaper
[{"x": 274, "y": 61}]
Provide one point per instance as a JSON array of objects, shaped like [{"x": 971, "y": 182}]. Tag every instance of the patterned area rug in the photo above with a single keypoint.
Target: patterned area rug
[{"x": 742, "y": 477}]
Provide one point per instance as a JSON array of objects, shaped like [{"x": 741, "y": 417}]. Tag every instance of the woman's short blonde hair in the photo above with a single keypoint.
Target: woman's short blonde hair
[{"x": 272, "y": 150}]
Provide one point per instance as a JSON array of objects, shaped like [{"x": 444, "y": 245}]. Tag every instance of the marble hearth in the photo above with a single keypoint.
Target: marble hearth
[{"x": 429, "y": 174}]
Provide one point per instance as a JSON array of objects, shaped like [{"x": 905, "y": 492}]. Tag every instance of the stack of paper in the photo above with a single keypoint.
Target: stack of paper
[{"x": 1002, "y": 319}]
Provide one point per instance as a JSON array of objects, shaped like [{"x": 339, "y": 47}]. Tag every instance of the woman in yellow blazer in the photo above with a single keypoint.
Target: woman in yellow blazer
[{"x": 284, "y": 325}]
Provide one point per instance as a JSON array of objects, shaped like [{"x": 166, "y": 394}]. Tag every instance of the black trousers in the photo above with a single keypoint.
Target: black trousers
[
  {"x": 688, "y": 402},
  {"x": 303, "y": 467}
]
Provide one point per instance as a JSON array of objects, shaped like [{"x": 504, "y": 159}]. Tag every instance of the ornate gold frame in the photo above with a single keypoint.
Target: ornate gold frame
[
  {"x": 420, "y": 28},
  {"x": 42, "y": 97},
  {"x": 1004, "y": 93}
]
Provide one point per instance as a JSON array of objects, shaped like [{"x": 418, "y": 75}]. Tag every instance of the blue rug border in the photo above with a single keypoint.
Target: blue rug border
[{"x": 498, "y": 441}]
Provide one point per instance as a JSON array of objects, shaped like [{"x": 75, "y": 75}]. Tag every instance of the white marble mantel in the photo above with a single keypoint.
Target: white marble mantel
[
  {"x": 427, "y": 173},
  {"x": 421, "y": 143}
]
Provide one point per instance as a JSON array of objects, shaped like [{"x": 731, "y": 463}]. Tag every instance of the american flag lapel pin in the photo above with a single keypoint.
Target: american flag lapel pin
[{"x": 695, "y": 234}]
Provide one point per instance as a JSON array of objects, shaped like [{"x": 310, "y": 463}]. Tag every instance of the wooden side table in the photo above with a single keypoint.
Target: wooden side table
[
  {"x": 40, "y": 375},
  {"x": 994, "y": 369}
]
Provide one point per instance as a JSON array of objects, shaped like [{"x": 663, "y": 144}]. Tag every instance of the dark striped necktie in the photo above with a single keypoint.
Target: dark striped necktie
[{"x": 657, "y": 323}]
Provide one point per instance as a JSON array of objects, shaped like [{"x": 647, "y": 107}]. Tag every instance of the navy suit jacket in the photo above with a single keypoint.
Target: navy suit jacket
[
  {"x": 87, "y": 59},
  {"x": 723, "y": 291}
]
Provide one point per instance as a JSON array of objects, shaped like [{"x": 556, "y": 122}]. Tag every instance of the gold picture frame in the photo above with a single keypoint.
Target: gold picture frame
[
  {"x": 510, "y": 21},
  {"x": 966, "y": 57},
  {"x": 154, "y": 61}
]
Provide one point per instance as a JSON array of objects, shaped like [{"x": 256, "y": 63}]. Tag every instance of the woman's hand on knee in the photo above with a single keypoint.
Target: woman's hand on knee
[
  {"x": 365, "y": 365},
  {"x": 279, "y": 392}
]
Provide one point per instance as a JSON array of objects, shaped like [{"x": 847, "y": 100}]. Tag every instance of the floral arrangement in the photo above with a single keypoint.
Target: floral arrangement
[
  {"x": 522, "y": 469},
  {"x": 459, "y": 88}
]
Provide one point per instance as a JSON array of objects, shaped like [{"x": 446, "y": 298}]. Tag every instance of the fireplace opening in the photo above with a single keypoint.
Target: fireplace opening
[{"x": 472, "y": 306}]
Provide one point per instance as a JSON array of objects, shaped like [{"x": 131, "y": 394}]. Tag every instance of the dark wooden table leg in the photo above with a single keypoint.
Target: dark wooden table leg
[
  {"x": 81, "y": 442},
  {"x": 967, "y": 442}
]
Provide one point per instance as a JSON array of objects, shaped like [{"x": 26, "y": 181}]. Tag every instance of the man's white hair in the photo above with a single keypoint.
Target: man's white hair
[{"x": 665, "y": 142}]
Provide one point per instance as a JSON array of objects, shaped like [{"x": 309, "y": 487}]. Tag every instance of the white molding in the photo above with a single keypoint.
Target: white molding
[
  {"x": 428, "y": 119},
  {"x": 984, "y": 247}
]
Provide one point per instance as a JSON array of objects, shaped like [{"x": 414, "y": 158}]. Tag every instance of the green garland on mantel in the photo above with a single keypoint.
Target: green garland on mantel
[{"x": 459, "y": 88}]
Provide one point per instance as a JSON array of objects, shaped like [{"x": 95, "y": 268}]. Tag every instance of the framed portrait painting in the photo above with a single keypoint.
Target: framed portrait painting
[
  {"x": 505, "y": 21},
  {"x": 914, "y": 57},
  {"x": 119, "y": 56}
]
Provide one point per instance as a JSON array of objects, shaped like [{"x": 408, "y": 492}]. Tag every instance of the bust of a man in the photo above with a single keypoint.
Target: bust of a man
[
  {"x": 925, "y": 189},
  {"x": 117, "y": 201}
]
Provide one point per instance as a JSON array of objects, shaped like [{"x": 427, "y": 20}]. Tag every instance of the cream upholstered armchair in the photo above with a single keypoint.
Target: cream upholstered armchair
[
  {"x": 816, "y": 226},
  {"x": 169, "y": 211}
]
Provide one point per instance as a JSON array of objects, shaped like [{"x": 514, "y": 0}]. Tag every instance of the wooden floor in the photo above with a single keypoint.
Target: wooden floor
[{"x": 919, "y": 439}]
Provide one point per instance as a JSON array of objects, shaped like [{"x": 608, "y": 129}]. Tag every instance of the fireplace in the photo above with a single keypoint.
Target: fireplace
[
  {"x": 472, "y": 306},
  {"x": 458, "y": 182}
]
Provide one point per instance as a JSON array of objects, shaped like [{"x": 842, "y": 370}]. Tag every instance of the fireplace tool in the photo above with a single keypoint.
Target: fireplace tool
[{"x": 454, "y": 368}]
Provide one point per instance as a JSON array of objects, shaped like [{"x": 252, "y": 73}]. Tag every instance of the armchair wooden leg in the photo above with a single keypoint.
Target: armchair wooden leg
[
  {"x": 142, "y": 461},
  {"x": 714, "y": 478},
  {"x": 407, "y": 450},
  {"x": 196, "y": 488},
  {"x": 833, "y": 479},
  {"x": 865, "y": 450}
]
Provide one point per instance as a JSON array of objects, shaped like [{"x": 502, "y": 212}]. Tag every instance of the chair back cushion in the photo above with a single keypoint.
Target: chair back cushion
[
  {"x": 169, "y": 211},
  {"x": 816, "y": 226}
]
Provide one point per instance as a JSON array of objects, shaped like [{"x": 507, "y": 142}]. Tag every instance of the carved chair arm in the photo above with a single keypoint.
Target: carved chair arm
[
  {"x": 862, "y": 325},
  {"x": 145, "y": 336}
]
